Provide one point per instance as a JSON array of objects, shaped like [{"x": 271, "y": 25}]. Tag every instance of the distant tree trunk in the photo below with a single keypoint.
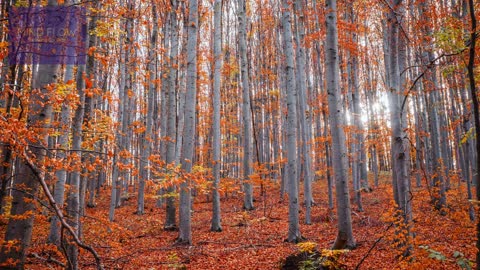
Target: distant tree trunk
[
  {"x": 305, "y": 120},
  {"x": 246, "y": 110},
  {"x": 418, "y": 146},
  {"x": 371, "y": 117},
  {"x": 181, "y": 92},
  {"x": 129, "y": 103},
  {"x": 171, "y": 103},
  {"x": 147, "y": 140},
  {"x": 217, "y": 140},
  {"x": 438, "y": 180},
  {"x": 353, "y": 104},
  {"x": 170, "y": 204},
  {"x": 339, "y": 150},
  {"x": 185, "y": 233},
  {"x": 328, "y": 163},
  {"x": 61, "y": 175},
  {"x": 361, "y": 155},
  {"x": 120, "y": 134},
  {"x": 73, "y": 196},
  {"x": 293, "y": 207}
]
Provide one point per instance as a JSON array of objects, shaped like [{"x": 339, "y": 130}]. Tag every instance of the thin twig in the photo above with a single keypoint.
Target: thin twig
[
  {"x": 372, "y": 247},
  {"x": 48, "y": 260},
  {"x": 428, "y": 66}
]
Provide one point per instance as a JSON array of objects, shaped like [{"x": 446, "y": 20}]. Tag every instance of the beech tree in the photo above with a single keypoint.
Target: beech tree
[
  {"x": 305, "y": 120},
  {"x": 185, "y": 235},
  {"x": 148, "y": 135},
  {"x": 217, "y": 140},
  {"x": 395, "y": 63},
  {"x": 336, "y": 115},
  {"x": 171, "y": 112},
  {"x": 293, "y": 207},
  {"x": 184, "y": 109},
  {"x": 246, "y": 107}
]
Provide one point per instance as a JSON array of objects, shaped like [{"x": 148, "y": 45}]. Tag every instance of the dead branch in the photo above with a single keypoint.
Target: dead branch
[
  {"x": 48, "y": 260},
  {"x": 58, "y": 212},
  {"x": 372, "y": 247}
]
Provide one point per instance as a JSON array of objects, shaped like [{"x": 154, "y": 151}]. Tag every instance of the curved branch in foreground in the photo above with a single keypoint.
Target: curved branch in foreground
[{"x": 58, "y": 212}]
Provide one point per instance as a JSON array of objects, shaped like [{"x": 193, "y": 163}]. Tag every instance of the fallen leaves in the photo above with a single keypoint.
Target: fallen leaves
[{"x": 139, "y": 241}]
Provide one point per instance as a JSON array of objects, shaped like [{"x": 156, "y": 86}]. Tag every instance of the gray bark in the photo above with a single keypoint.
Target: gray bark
[
  {"x": 438, "y": 180},
  {"x": 185, "y": 233},
  {"x": 171, "y": 104},
  {"x": 120, "y": 134},
  {"x": 61, "y": 175},
  {"x": 246, "y": 110},
  {"x": 336, "y": 116},
  {"x": 217, "y": 143},
  {"x": 293, "y": 207},
  {"x": 73, "y": 196},
  {"x": 305, "y": 120},
  {"x": 400, "y": 144},
  {"x": 148, "y": 137}
]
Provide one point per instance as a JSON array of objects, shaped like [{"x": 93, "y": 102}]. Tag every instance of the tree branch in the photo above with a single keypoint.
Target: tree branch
[
  {"x": 48, "y": 260},
  {"x": 38, "y": 174},
  {"x": 372, "y": 247},
  {"x": 428, "y": 66}
]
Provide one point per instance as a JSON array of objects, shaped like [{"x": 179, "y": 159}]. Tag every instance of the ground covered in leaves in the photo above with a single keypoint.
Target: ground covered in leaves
[{"x": 255, "y": 239}]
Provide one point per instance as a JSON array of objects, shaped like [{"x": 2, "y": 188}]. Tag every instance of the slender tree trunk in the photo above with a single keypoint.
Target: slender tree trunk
[
  {"x": 400, "y": 144},
  {"x": 61, "y": 175},
  {"x": 73, "y": 196},
  {"x": 121, "y": 131},
  {"x": 345, "y": 233},
  {"x": 438, "y": 180},
  {"x": 185, "y": 234},
  {"x": 147, "y": 140},
  {"x": 305, "y": 120},
  {"x": 171, "y": 103},
  {"x": 217, "y": 140},
  {"x": 246, "y": 110},
  {"x": 293, "y": 207}
]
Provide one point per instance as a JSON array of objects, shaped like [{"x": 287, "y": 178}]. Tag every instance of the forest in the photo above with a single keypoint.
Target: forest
[{"x": 239, "y": 134}]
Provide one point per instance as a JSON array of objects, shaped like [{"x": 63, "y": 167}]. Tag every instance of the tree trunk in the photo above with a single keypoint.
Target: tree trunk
[
  {"x": 336, "y": 115},
  {"x": 246, "y": 110},
  {"x": 185, "y": 233},
  {"x": 217, "y": 140},
  {"x": 148, "y": 137},
  {"x": 305, "y": 120},
  {"x": 73, "y": 196},
  {"x": 61, "y": 175},
  {"x": 171, "y": 104},
  {"x": 293, "y": 207},
  {"x": 400, "y": 143}
]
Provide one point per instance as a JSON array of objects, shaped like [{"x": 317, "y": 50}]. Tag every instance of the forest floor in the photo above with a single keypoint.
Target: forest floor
[{"x": 255, "y": 239}]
